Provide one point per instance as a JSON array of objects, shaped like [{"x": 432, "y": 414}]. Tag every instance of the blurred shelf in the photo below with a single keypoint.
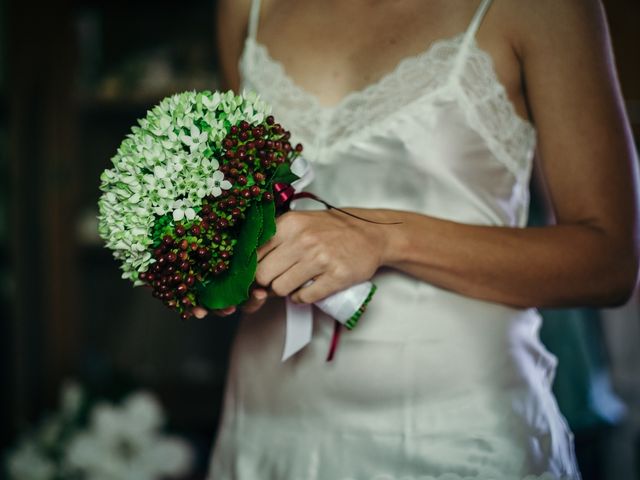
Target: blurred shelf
[
  {"x": 95, "y": 255},
  {"x": 4, "y": 111},
  {"x": 116, "y": 107}
]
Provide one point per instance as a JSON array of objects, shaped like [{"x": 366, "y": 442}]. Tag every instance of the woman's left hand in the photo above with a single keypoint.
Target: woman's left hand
[{"x": 328, "y": 247}]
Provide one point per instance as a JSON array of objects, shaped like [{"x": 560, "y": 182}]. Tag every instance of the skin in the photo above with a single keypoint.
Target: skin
[{"x": 555, "y": 61}]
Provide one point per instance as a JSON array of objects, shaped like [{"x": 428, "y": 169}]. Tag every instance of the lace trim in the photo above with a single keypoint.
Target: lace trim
[{"x": 481, "y": 95}]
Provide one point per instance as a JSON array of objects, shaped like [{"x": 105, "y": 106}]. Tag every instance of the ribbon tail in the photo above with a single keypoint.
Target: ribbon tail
[{"x": 299, "y": 327}]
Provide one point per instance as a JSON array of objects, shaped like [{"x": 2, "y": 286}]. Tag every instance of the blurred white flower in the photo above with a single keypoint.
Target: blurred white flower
[
  {"x": 71, "y": 398},
  {"x": 28, "y": 462},
  {"x": 124, "y": 443}
]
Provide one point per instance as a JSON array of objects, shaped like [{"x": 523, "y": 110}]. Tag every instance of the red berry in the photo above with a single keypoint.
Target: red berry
[
  {"x": 270, "y": 120},
  {"x": 184, "y": 244},
  {"x": 182, "y": 289}
]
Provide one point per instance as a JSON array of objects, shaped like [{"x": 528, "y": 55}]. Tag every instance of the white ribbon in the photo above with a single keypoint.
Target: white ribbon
[{"x": 341, "y": 305}]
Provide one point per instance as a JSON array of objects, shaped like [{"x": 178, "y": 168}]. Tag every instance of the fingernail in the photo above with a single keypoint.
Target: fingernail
[
  {"x": 259, "y": 294},
  {"x": 229, "y": 310}
]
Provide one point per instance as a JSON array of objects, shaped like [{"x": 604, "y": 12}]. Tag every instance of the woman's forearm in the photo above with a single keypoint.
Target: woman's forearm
[{"x": 564, "y": 265}]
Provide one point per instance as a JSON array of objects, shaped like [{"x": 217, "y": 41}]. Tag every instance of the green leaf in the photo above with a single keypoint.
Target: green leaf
[
  {"x": 232, "y": 287},
  {"x": 283, "y": 174},
  {"x": 268, "y": 222}
]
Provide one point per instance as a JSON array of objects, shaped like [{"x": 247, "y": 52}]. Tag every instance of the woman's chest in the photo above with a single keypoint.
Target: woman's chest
[{"x": 331, "y": 48}]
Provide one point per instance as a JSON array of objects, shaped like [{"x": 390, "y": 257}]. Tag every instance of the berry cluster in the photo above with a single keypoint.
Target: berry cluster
[{"x": 188, "y": 253}]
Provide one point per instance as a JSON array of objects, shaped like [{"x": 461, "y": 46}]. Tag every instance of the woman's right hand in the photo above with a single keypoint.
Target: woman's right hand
[{"x": 256, "y": 301}]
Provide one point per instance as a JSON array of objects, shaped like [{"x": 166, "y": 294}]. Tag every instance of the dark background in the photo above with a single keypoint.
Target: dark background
[{"x": 74, "y": 77}]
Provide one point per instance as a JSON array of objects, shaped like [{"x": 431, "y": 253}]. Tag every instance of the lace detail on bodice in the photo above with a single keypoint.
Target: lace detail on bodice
[{"x": 415, "y": 83}]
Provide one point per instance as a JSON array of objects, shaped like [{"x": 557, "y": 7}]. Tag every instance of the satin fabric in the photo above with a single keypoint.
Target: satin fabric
[{"x": 430, "y": 384}]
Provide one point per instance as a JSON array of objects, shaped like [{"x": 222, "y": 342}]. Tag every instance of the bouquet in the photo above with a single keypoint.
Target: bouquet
[{"x": 194, "y": 192}]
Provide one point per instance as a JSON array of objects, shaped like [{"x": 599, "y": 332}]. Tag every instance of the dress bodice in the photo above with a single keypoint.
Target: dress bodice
[{"x": 439, "y": 129}]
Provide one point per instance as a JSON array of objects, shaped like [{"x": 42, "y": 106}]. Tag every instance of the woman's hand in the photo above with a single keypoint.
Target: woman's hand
[
  {"x": 256, "y": 300},
  {"x": 328, "y": 247}
]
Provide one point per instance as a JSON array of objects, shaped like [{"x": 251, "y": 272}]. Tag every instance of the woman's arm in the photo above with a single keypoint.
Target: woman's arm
[
  {"x": 232, "y": 17},
  {"x": 588, "y": 162}
]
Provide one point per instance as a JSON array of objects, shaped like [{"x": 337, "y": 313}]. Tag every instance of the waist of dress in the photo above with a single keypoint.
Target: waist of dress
[{"x": 409, "y": 310}]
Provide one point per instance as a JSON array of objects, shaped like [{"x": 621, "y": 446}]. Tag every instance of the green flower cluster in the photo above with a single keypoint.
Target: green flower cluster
[{"x": 167, "y": 165}]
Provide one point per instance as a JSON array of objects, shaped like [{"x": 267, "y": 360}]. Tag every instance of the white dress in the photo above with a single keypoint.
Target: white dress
[{"x": 430, "y": 384}]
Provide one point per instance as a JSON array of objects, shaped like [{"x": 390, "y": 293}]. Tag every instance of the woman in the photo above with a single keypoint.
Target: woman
[{"x": 427, "y": 114}]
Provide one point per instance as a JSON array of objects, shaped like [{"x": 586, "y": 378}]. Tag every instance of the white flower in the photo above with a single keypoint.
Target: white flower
[
  {"x": 216, "y": 183},
  {"x": 196, "y": 141},
  {"x": 181, "y": 210},
  {"x": 29, "y": 463},
  {"x": 125, "y": 444}
]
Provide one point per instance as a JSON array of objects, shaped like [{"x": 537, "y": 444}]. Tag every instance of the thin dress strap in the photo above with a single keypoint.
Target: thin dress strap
[
  {"x": 254, "y": 16},
  {"x": 469, "y": 36}
]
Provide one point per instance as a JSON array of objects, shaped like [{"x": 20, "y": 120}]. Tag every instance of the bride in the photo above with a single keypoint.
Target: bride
[{"x": 427, "y": 115}]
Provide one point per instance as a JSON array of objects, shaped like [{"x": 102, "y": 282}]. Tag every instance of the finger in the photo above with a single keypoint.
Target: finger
[
  {"x": 224, "y": 312},
  {"x": 256, "y": 301},
  {"x": 322, "y": 287},
  {"x": 275, "y": 264},
  {"x": 294, "y": 278},
  {"x": 268, "y": 247},
  {"x": 199, "y": 312}
]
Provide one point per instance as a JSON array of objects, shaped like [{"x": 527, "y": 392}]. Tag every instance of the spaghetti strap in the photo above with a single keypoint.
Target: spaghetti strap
[
  {"x": 470, "y": 35},
  {"x": 477, "y": 20},
  {"x": 254, "y": 16}
]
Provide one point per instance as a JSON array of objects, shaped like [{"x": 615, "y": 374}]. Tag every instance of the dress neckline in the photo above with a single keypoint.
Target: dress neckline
[{"x": 356, "y": 95}]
